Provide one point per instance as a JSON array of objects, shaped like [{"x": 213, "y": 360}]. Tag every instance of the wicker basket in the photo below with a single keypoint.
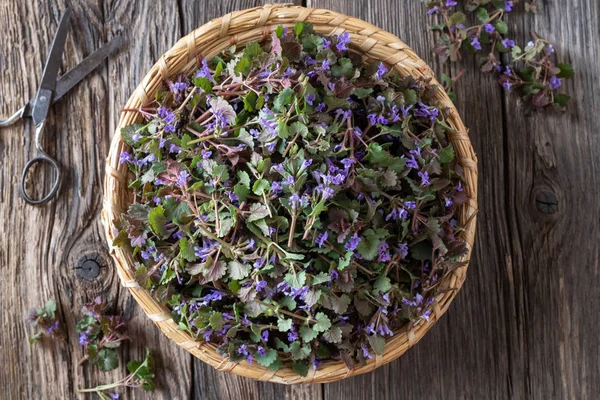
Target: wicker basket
[{"x": 240, "y": 28}]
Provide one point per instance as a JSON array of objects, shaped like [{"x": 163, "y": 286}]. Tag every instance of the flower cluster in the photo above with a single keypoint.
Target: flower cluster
[
  {"x": 100, "y": 335},
  {"x": 44, "y": 318},
  {"x": 531, "y": 70},
  {"x": 292, "y": 204}
]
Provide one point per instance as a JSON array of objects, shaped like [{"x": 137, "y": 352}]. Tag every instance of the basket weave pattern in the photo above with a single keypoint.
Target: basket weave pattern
[{"x": 240, "y": 28}]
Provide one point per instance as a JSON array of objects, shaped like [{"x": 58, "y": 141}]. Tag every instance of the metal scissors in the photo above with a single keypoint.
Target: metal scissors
[{"x": 49, "y": 92}]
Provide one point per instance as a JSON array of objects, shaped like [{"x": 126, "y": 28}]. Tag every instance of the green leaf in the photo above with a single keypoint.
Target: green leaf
[
  {"x": 410, "y": 97},
  {"x": 279, "y": 31},
  {"x": 284, "y": 324},
  {"x": 225, "y": 226},
  {"x": 381, "y": 285},
  {"x": 323, "y": 323},
  {"x": 258, "y": 211},
  {"x": 253, "y": 50},
  {"x": 369, "y": 245},
  {"x": 321, "y": 277},
  {"x": 260, "y": 186},
  {"x": 269, "y": 358},
  {"x": 482, "y": 15},
  {"x": 296, "y": 280},
  {"x": 107, "y": 360},
  {"x": 362, "y": 93},
  {"x": 238, "y": 270},
  {"x": 501, "y": 27},
  {"x": 299, "y": 352},
  {"x": 298, "y": 128},
  {"x": 344, "y": 261},
  {"x": 241, "y": 191},
  {"x": 377, "y": 343},
  {"x": 307, "y": 334},
  {"x": 186, "y": 250},
  {"x": 298, "y": 28},
  {"x": 562, "y": 100},
  {"x": 566, "y": 71},
  {"x": 128, "y": 131},
  {"x": 216, "y": 321},
  {"x": 457, "y": 18},
  {"x": 301, "y": 368},
  {"x": 242, "y": 66},
  {"x": 446, "y": 154},
  {"x": 422, "y": 251},
  {"x": 250, "y": 101},
  {"x": 243, "y": 178},
  {"x": 343, "y": 68},
  {"x": 50, "y": 308},
  {"x": 205, "y": 84},
  {"x": 157, "y": 221},
  {"x": 333, "y": 335},
  {"x": 285, "y": 97}
]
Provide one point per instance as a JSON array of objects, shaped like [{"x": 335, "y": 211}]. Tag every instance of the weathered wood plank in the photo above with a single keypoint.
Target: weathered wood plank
[
  {"x": 465, "y": 355},
  {"x": 555, "y": 256}
]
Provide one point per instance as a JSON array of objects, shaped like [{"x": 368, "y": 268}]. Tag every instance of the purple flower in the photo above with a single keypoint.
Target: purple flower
[
  {"x": 163, "y": 111},
  {"x": 508, "y": 43},
  {"x": 342, "y": 41},
  {"x": 162, "y": 142},
  {"x": 276, "y": 187},
  {"x": 320, "y": 107},
  {"x": 447, "y": 202},
  {"x": 83, "y": 339},
  {"x": 306, "y": 164},
  {"x": 426, "y": 112},
  {"x": 326, "y": 43},
  {"x": 489, "y": 28},
  {"x": 156, "y": 200},
  {"x": 412, "y": 163},
  {"x": 292, "y": 335},
  {"x": 294, "y": 200},
  {"x": 347, "y": 162},
  {"x": 135, "y": 137},
  {"x": 402, "y": 249},
  {"x": 260, "y": 285},
  {"x": 432, "y": 10},
  {"x": 451, "y": 3},
  {"x": 204, "y": 71},
  {"x": 383, "y": 253},
  {"x": 396, "y": 214},
  {"x": 506, "y": 85},
  {"x": 206, "y": 153},
  {"x": 174, "y": 148},
  {"x": 381, "y": 70},
  {"x": 508, "y": 5},
  {"x": 352, "y": 243},
  {"x": 114, "y": 396},
  {"x": 53, "y": 328},
  {"x": 178, "y": 87},
  {"x": 321, "y": 238},
  {"x": 125, "y": 157},
  {"x": 264, "y": 336},
  {"x": 365, "y": 351},
  {"x": 370, "y": 329},
  {"x": 411, "y": 205},
  {"x": 333, "y": 274},
  {"x": 475, "y": 43},
  {"x": 555, "y": 82},
  {"x": 310, "y": 98},
  {"x": 288, "y": 181},
  {"x": 424, "y": 178},
  {"x": 182, "y": 178},
  {"x": 345, "y": 114}
]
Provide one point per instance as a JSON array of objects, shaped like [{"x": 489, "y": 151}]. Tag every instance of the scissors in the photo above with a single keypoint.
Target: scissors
[{"x": 49, "y": 92}]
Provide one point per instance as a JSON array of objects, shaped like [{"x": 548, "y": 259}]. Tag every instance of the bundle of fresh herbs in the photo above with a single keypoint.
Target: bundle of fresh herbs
[{"x": 292, "y": 204}]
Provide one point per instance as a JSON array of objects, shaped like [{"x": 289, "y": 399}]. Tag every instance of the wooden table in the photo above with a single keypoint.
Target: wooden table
[{"x": 526, "y": 322}]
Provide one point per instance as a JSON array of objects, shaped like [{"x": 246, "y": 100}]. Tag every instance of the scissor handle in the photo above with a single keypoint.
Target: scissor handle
[
  {"x": 41, "y": 158},
  {"x": 13, "y": 118}
]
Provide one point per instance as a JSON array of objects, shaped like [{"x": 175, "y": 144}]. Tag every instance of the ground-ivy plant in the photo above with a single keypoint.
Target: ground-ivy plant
[
  {"x": 533, "y": 70},
  {"x": 293, "y": 203}
]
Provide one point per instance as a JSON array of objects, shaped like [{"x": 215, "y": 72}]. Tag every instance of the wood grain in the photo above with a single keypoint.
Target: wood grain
[{"x": 525, "y": 325}]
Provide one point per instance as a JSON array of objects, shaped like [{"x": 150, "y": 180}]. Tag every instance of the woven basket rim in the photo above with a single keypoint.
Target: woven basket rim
[{"x": 240, "y": 27}]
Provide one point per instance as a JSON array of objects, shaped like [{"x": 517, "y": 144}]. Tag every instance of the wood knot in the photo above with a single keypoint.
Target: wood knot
[
  {"x": 88, "y": 267},
  {"x": 546, "y": 202}
]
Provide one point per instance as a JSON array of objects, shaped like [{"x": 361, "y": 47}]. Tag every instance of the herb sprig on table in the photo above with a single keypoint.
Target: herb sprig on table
[
  {"x": 532, "y": 70},
  {"x": 100, "y": 334},
  {"x": 292, "y": 204},
  {"x": 45, "y": 319}
]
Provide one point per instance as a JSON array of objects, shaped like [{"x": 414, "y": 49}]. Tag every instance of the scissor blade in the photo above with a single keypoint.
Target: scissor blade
[
  {"x": 56, "y": 50},
  {"x": 41, "y": 104},
  {"x": 80, "y": 71}
]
